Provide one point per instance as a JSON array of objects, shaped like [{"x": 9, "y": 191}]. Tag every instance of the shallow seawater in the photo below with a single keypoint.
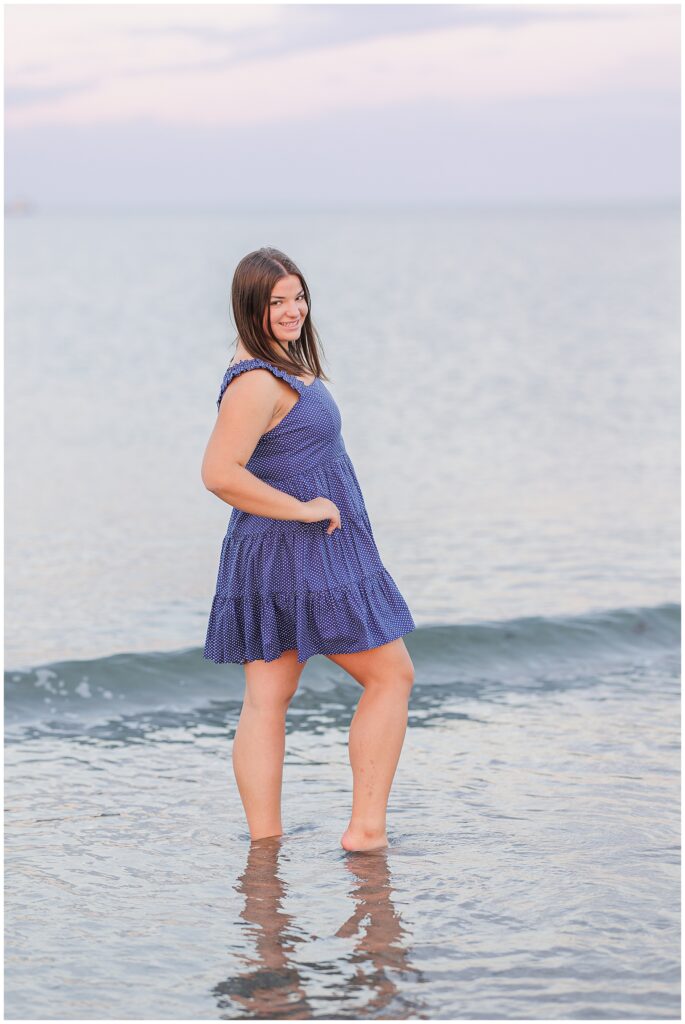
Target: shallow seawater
[
  {"x": 532, "y": 872},
  {"x": 513, "y": 418}
]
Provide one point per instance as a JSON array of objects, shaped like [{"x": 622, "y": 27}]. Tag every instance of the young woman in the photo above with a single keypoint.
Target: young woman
[{"x": 299, "y": 570}]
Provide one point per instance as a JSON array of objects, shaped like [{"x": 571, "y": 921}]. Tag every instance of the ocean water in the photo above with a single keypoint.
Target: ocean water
[{"x": 508, "y": 384}]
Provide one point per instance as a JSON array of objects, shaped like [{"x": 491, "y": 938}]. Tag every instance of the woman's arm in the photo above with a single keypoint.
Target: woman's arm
[{"x": 243, "y": 418}]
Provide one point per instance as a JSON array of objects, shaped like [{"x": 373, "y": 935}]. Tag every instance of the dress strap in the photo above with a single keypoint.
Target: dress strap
[{"x": 254, "y": 364}]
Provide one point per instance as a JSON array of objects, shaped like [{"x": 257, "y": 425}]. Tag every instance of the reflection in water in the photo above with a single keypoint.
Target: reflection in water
[
  {"x": 272, "y": 986},
  {"x": 379, "y": 947}
]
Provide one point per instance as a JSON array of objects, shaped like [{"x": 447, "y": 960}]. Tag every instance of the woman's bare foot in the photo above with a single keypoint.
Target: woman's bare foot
[{"x": 363, "y": 839}]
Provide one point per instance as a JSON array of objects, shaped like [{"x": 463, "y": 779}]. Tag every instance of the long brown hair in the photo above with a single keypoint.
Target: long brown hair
[{"x": 253, "y": 282}]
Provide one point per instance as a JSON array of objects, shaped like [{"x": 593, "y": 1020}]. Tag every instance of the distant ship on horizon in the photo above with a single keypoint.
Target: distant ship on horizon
[{"x": 18, "y": 207}]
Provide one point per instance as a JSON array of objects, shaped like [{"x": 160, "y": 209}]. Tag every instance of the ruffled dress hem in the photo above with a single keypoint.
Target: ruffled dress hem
[{"x": 348, "y": 619}]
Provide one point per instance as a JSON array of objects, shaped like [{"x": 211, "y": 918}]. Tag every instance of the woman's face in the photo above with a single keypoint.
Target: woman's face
[{"x": 287, "y": 308}]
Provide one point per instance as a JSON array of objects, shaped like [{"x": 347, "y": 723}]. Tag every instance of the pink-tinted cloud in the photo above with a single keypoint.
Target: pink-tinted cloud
[{"x": 93, "y": 64}]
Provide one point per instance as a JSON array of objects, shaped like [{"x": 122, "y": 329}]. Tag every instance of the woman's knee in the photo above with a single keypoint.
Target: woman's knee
[
  {"x": 387, "y": 666},
  {"x": 271, "y": 685},
  {"x": 398, "y": 680},
  {"x": 270, "y": 699}
]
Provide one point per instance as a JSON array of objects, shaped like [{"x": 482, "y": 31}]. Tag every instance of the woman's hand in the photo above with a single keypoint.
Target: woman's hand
[{"x": 322, "y": 508}]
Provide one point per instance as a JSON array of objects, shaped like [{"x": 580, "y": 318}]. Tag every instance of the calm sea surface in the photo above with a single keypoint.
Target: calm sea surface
[{"x": 508, "y": 383}]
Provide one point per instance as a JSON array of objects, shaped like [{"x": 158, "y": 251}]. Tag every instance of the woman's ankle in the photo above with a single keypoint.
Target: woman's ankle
[{"x": 369, "y": 830}]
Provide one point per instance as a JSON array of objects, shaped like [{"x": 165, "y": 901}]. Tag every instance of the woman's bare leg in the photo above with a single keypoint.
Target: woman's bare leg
[
  {"x": 377, "y": 733},
  {"x": 259, "y": 742}
]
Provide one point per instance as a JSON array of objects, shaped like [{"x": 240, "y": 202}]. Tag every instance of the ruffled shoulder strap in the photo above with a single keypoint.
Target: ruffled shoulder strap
[{"x": 254, "y": 364}]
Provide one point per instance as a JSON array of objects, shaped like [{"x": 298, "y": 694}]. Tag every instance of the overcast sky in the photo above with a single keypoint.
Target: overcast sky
[{"x": 208, "y": 105}]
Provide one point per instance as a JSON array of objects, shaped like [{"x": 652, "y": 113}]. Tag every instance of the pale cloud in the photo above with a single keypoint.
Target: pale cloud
[
  {"x": 48, "y": 45},
  {"x": 93, "y": 64}
]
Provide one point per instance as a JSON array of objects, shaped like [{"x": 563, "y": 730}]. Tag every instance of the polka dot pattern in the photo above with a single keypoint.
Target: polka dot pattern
[{"x": 286, "y": 585}]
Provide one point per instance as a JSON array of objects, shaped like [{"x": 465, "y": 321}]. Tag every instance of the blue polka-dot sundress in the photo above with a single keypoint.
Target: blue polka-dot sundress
[{"x": 287, "y": 585}]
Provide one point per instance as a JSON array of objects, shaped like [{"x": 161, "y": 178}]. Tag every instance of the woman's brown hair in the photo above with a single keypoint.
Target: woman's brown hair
[{"x": 253, "y": 282}]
